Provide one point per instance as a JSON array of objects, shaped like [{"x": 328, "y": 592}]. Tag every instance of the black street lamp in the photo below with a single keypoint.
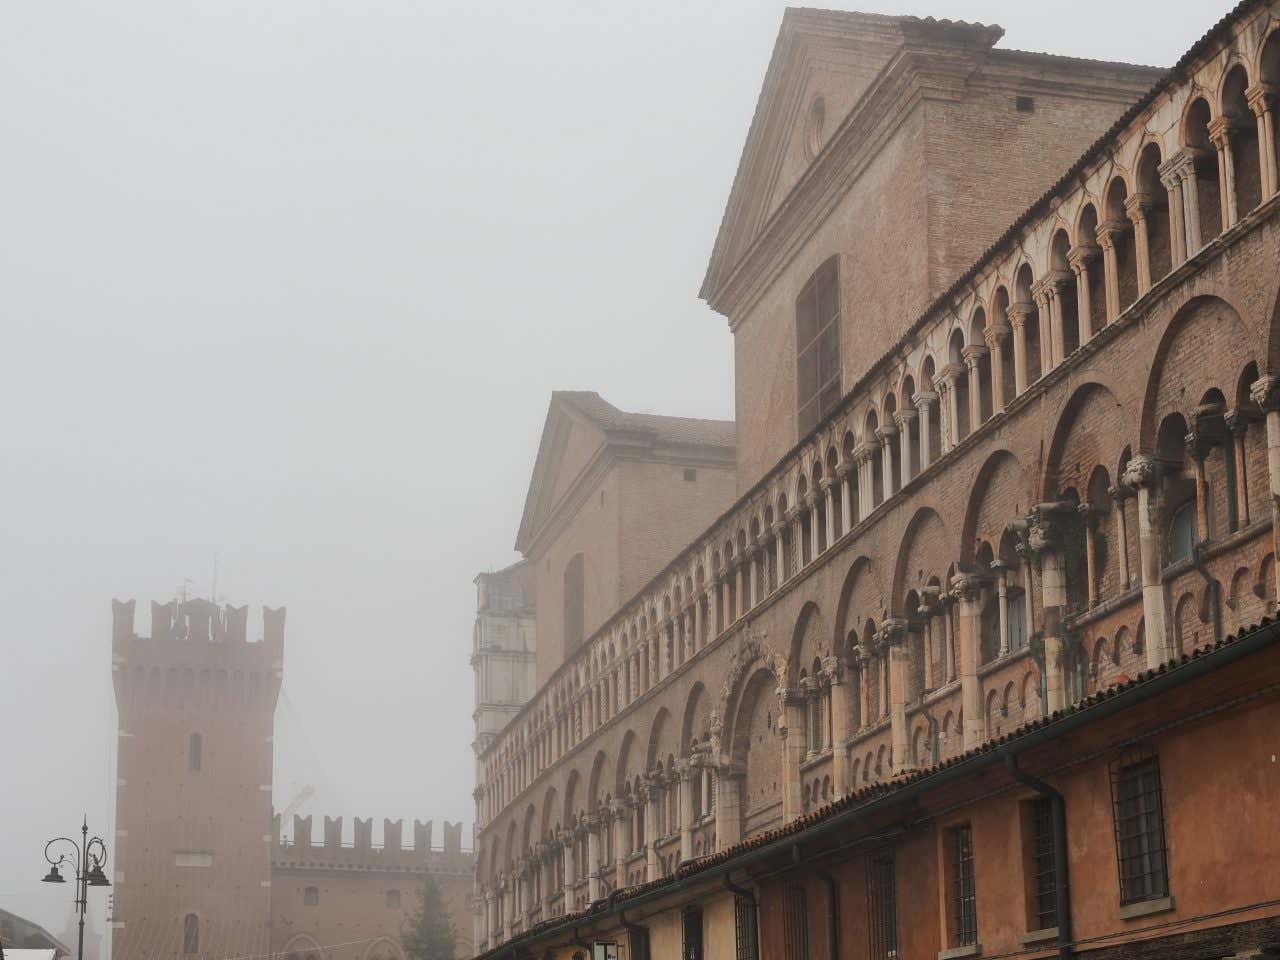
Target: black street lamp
[{"x": 89, "y": 859}]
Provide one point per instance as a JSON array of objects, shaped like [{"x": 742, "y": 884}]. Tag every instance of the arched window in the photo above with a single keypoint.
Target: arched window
[
  {"x": 1182, "y": 532},
  {"x": 818, "y": 347},
  {"x": 574, "y": 603},
  {"x": 393, "y": 899},
  {"x": 195, "y": 752},
  {"x": 311, "y": 897},
  {"x": 191, "y": 934}
]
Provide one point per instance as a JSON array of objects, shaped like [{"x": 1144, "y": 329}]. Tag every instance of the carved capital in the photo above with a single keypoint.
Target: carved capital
[
  {"x": 1081, "y": 255},
  {"x": 1019, "y": 312},
  {"x": 1265, "y": 392},
  {"x": 904, "y": 418},
  {"x": 843, "y": 469},
  {"x": 1136, "y": 206},
  {"x": 1109, "y": 231},
  {"x": 966, "y": 587},
  {"x": 1120, "y": 492},
  {"x": 892, "y": 632},
  {"x": 924, "y": 398},
  {"x": 972, "y": 353},
  {"x": 1261, "y": 97},
  {"x": 1220, "y": 129},
  {"x": 996, "y": 331},
  {"x": 1141, "y": 471}
]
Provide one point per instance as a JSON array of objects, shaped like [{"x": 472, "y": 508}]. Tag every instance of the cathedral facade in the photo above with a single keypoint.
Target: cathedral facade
[
  {"x": 968, "y": 648},
  {"x": 203, "y": 868}
]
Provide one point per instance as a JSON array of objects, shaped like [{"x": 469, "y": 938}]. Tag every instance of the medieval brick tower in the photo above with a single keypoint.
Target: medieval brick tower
[{"x": 196, "y": 702}]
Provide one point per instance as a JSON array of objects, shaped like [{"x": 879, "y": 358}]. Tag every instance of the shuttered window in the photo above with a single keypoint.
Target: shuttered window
[
  {"x": 818, "y": 347},
  {"x": 795, "y": 923}
]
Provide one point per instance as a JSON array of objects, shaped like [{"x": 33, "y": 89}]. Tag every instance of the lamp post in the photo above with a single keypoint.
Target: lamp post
[{"x": 89, "y": 859}]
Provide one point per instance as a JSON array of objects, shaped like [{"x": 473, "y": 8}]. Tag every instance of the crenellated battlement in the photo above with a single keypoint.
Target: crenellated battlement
[
  {"x": 300, "y": 850},
  {"x": 197, "y": 650}
]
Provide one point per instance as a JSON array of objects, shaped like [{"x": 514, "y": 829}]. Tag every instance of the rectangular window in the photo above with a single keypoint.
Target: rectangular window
[
  {"x": 692, "y": 934},
  {"x": 795, "y": 923},
  {"x": 963, "y": 889},
  {"x": 638, "y": 943},
  {"x": 1044, "y": 881},
  {"x": 747, "y": 936},
  {"x": 1139, "y": 824},
  {"x": 882, "y": 909},
  {"x": 818, "y": 347}
]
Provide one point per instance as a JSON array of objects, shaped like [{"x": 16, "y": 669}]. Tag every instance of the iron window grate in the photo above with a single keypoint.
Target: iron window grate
[
  {"x": 746, "y": 934},
  {"x": 1141, "y": 852},
  {"x": 882, "y": 909},
  {"x": 795, "y": 924},
  {"x": 1044, "y": 878},
  {"x": 963, "y": 887}
]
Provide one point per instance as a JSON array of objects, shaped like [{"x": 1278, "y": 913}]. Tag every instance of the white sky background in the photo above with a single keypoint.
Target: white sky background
[{"x": 290, "y": 281}]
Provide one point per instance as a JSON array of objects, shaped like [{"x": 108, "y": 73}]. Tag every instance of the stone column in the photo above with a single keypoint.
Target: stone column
[
  {"x": 699, "y": 621},
  {"x": 809, "y": 739},
  {"x": 946, "y": 602},
  {"x": 566, "y": 841},
  {"x": 742, "y": 591},
  {"x": 892, "y": 637},
  {"x": 864, "y": 682},
  {"x": 726, "y": 592},
  {"x": 841, "y": 716},
  {"x": 686, "y": 810},
  {"x": 1220, "y": 136},
  {"x": 1120, "y": 493},
  {"x": 1237, "y": 422},
  {"x": 1080, "y": 257},
  {"x": 973, "y": 354},
  {"x": 1261, "y": 97},
  {"x": 1107, "y": 233},
  {"x": 705, "y": 783},
  {"x": 779, "y": 528},
  {"x": 652, "y": 796},
  {"x": 866, "y": 488},
  {"x": 491, "y": 918},
  {"x": 951, "y": 425},
  {"x": 1002, "y": 598},
  {"x": 1045, "y": 540},
  {"x": 547, "y": 866},
  {"x": 1088, "y": 517},
  {"x": 791, "y": 729},
  {"x": 796, "y": 518},
  {"x": 924, "y": 401},
  {"x": 1018, "y": 314},
  {"x": 728, "y": 807},
  {"x": 1055, "y": 282},
  {"x": 1198, "y": 447},
  {"x": 1266, "y": 394},
  {"x": 843, "y": 472},
  {"x": 926, "y": 611},
  {"x": 1191, "y": 198},
  {"x": 902, "y": 420},
  {"x": 594, "y": 825},
  {"x": 1050, "y": 323},
  {"x": 967, "y": 590},
  {"x": 825, "y": 485},
  {"x": 814, "y": 541},
  {"x": 884, "y": 437},
  {"x": 1143, "y": 475},
  {"x": 1172, "y": 180},
  {"x": 1136, "y": 207},
  {"x": 622, "y": 842},
  {"x": 994, "y": 336}
]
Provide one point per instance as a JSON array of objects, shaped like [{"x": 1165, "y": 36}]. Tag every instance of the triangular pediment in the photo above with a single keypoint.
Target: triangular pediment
[{"x": 823, "y": 64}]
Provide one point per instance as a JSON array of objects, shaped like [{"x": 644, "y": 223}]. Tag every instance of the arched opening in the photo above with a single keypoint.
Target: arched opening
[
  {"x": 959, "y": 384},
  {"x": 1030, "y": 323},
  {"x": 1208, "y": 202},
  {"x": 818, "y": 347},
  {"x": 1155, "y": 200},
  {"x": 1270, "y": 64},
  {"x": 892, "y": 444},
  {"x": 191, "y": 934},
  {"x": 1179, "y": 489},
  {"x": 1120, "y": 229},
  {"x": 1002, "y": 371},
  {"x": 877, "y": 459},
  {"x": 982, "y": 368},
  {"x": 910, "y": 439},
  {"x": 1087, "y": 231},
  {"x": 928, "y": 374},
  {"x": 1068, "y": 300},
  {"x": 1243, "y": 138}
]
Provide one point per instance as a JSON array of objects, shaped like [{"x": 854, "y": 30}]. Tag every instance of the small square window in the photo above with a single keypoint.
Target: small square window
[
  {"x": 690, "y": 474},
  {"x": 1025, "y": 104}
]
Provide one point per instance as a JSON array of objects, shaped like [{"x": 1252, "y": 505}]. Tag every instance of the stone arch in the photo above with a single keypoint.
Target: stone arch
[
  {"x": 550, "y": 822},
  {"x": 660, "y": 739},
  {"x": 570, "y": 798},
  {"x": 809, "y": 639},
  {"x": 1206, "y": 327},
  {"x": 1084, "y": 437},
  {"x": 754, "y": 748},
  {"x": 999, "y": 494},
  {"x": 597, "y": 781},
  {"x": 622, "y": 774},
  {"x": 303, "y": 945},
  {"x": 925, "y": 551},
  {"x": 697, "y": 718},
  {"x": 860, "y": 596}
]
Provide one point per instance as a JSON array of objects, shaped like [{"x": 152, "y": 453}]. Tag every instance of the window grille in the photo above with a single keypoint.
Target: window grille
[
  {"x": 964, "y": 899},
  {"x": 191, "y": 934},
  {"x": 746, "y": 934},
  {"x": 795, "y": 924},
  {"x": 311, "y": 896},
  {"x": 692, "y": 934},
  {"x": 1044, "y": 879},
  {"x": 818, "y": 346},
  {"x": 882, "y": 909},
  {"x": 1139, "y": 823}
]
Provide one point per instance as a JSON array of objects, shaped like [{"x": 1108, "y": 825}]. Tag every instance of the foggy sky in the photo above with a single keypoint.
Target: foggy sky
[{"x": 289, "y": 283}]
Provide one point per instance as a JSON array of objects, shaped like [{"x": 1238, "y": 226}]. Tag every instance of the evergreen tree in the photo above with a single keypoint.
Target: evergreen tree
[{"x": 429, "y": 933}]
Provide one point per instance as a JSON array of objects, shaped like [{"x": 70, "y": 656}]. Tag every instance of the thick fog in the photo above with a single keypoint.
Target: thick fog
[{"x": 287, "y": 284}]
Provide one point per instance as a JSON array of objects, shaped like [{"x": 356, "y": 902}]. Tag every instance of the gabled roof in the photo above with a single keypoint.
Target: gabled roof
[
  {"x": 581, "y": 425},
  {"x": 857, "y": 48}
]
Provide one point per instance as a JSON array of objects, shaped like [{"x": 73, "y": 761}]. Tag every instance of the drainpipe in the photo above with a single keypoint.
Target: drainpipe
[
  {"x": 1061, "y": 882},
  {"x": 833, "y": 929}
]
